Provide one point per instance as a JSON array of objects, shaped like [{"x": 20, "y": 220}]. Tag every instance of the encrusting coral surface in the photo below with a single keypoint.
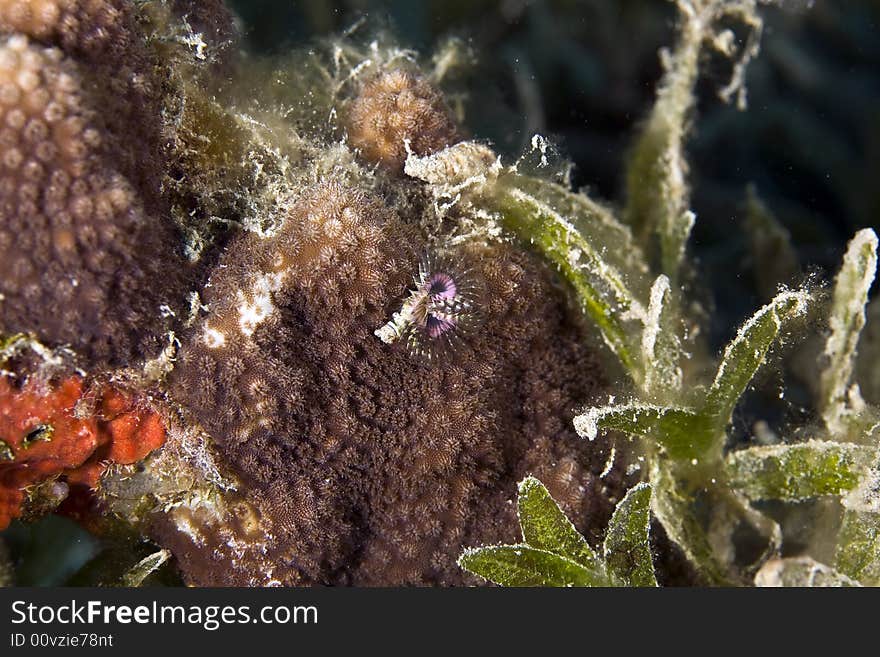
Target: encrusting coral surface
[{"x": 368, "y": 463}]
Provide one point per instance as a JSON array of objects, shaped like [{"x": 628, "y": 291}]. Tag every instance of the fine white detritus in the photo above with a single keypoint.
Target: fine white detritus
[{"x": 800, "y": 572}]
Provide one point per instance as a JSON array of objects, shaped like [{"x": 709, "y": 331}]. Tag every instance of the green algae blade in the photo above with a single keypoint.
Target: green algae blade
[
  {"x": 846, "y": 322},
  {"x": 673, "y": 507},
  {"x": 682, "y": 433},
  {"x": 660, "y": 345},
  {"x": 858, "y": 543},
  {"x": 521, "y": 565},
  {"x": 627, "y": 546},
  {"x": 796, "y": 472},
  {"x": 656, "y": 174},
  {"x": 858, "y": 549},
  {"x": 600, "y": 288},
  {"x": 746, "y": 352},
  {"x": 658, "y": 195},
  {"x": 597, "y": 223},
  {"x": 545, "y": 526},
  {"x": 867, "y": 372}
]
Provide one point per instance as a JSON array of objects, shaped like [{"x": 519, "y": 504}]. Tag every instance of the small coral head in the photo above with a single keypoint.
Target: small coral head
[
  {"x": 437, "y": 312},
  {"x": 394, "y": 109}
]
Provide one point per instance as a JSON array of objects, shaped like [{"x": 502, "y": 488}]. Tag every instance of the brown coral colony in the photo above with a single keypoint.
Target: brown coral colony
[
  {"x": 79, "y": 253},
  {"x": 368, "y": 465},
  {"x": 394, "y": 109},
  {"x": 353, "y": 460}
]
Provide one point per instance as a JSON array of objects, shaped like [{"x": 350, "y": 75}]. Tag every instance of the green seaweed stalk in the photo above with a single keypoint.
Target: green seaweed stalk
[{"x": 840, "y": 401}]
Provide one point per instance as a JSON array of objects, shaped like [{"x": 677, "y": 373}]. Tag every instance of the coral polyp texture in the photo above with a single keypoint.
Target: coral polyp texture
[
  {"x": 79, "y": 253},
  {"x": 364, "y": 464},
  {"x": 218, "y": 279},
  {"x": 117, "y": 71},
  {"x": 83, "y": 25},
  {"x": 398, "y": 109}
]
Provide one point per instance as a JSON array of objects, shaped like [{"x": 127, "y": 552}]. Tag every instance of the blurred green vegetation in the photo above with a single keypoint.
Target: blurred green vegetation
[{"x": 57, "y": 551}]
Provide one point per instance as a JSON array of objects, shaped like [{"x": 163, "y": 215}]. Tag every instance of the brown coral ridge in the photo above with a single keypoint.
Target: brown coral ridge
[
  {"x": 81, "y": 261},
  {"x": 67, "y": 429},
  {"x": 361, "y": 463},
  {"x": 396, "y": 107}
]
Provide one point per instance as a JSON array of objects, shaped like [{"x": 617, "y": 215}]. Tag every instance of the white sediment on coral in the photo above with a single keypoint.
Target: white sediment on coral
[
  {"x": 257, "y": 306},
  {"x": 452, "y": 172},
  {"x": 158, "y": 367},
  {"x": 213, "y": 338}
]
